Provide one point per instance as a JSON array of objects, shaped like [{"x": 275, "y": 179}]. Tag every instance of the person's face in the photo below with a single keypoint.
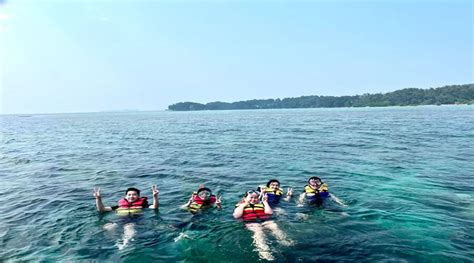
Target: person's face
[
  {"x": 132, "y": 196},
  {"x": 252, "y": 198},
  {"x": 314, "y": 182},
  {"x": 205, "y": 195},
  {"x": 274, "y": 186}
]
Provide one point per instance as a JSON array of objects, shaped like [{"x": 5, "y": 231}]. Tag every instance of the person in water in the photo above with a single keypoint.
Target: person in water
[
  {"x": 130, "y": 205},
  {"x": 274, "y": 193},
  {"x": 257, "y": 214},
  {"x": 316, "y": 191},
  {"x": 202, "y": 199}
]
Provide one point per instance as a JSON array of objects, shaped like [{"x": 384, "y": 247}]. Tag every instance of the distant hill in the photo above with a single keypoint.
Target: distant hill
[{"x": 454, "y": 94}]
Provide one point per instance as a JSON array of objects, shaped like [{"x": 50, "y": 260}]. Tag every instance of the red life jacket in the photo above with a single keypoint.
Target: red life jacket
[
  {"x": 254, "y": 212},
  {"x": 199, "y": 201},
  {"x": 139, "y": 203}
]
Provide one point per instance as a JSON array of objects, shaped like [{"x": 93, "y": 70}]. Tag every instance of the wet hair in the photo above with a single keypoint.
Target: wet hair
[
  {"x": 251, "y": 192},
  {"x": 315, "y": 178},
  {"x": 132, "y": 189},
  {"x": 273, "y": 181},
  {"x": 204, "y": 189}
]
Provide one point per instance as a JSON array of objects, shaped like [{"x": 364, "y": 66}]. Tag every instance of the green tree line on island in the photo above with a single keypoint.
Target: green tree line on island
[{"x": 454, "y": 94}]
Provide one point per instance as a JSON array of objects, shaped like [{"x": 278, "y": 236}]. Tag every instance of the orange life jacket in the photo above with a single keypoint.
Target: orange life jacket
[
  {"x": 254, "y": 212},
  {"x": 139, "y": 203}
]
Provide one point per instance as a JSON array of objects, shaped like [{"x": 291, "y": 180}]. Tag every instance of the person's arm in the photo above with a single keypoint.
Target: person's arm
[
  {"x": 98, "y": 201},
  {"x": 155, "y": 192},
  {"x": 337, "y": 200},
  {"x": 185, "y": 206},
  {"x": 268, "y": 210},
  {"x": 239, "y": 210},
  {"x": 301, "y": 199},
  {"x": 289, "y": 194}
]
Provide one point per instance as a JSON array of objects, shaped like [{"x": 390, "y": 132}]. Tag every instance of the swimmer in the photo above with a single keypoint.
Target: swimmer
[
  {"x": 131, "y": 201},
  {"x": 274, "y": 193},
  {"x": 316, "y": 191},
  {"x": 131, "y": 204},
  {"x": 203, "y": 199},
  {"x": 256, "y": 214}
]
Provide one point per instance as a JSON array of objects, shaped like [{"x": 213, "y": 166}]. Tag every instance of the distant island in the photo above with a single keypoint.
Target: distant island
[{"x": 453, "y": 94}]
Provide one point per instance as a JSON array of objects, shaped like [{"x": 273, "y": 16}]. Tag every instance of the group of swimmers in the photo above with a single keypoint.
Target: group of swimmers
[{"x": 255, "y": 209}]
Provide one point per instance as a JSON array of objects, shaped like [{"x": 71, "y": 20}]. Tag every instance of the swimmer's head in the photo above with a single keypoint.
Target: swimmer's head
[
  {"x": 204, "y": 193},
  {"x": 132, "y": 194},
  {"x": 252, "y": 196},
  {"x": 314, "y": 181},
  {"x": 273, "y": 184}
]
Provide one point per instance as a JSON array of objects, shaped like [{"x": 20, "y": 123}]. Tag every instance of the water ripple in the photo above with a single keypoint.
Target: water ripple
[{"x": 406, "y": 175}]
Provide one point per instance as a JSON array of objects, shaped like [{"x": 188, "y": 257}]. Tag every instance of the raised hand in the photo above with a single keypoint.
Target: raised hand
[
  {"x": 290, "y": 191},
  {"x": 219, "y": 202},
  {"x": 96, "y": 192},
  {"x": 154, "y": 190},
  {"x": 265, "y": 198},
  {"x": 98, "y": 201}
]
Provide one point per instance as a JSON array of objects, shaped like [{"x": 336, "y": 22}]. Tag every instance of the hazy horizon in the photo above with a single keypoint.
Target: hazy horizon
[{"x": 166, "y": 109}]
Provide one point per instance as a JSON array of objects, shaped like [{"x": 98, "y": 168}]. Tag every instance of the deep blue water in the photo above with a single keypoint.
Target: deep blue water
[{"x": 406, "y": 175}]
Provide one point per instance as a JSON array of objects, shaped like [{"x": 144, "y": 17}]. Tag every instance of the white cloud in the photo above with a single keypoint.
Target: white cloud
[{"x": 4, "y": 17}]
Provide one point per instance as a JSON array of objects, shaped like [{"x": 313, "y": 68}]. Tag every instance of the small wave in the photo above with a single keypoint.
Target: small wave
[
  {"x": 62, "y": 169},
  {"x": 22, "y": 161},
  {"x": 10, "y": 141},
  {"x": 139, "y": 138}
]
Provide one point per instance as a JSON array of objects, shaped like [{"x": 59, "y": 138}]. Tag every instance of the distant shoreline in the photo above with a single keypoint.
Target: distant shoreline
[
  {"x": 18, "y": 115},
  {"x": 446, "y": 95}
]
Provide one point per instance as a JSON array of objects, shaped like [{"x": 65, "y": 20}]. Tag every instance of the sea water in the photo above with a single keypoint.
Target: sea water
[{"x": 406, "y": 175}]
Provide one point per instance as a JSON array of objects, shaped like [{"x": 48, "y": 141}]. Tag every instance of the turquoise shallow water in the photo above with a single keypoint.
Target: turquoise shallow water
[{"x": 406, "y": 174}]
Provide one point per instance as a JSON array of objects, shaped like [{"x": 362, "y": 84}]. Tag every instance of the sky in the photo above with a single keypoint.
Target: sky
[{"x": 106, "y": 55}]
